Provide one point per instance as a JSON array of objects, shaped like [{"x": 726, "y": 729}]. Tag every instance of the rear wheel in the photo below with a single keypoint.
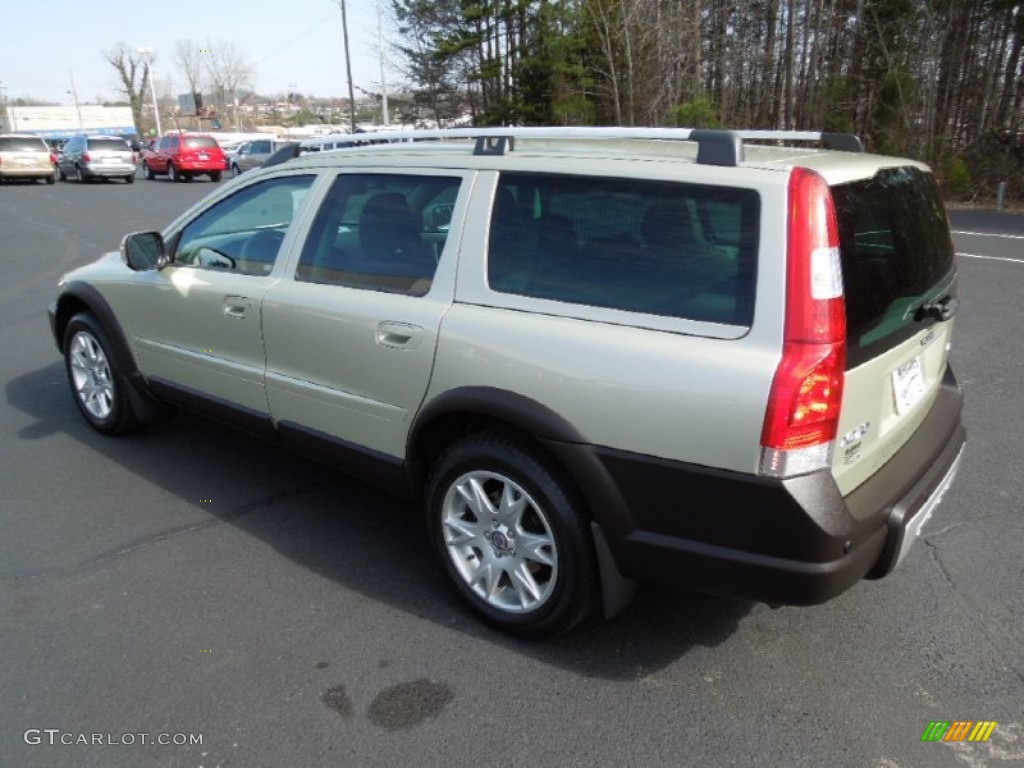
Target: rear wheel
[
  {"x": 79, "y": 176},
  {"x": 129, "y": 179},
  {"x": 52, "y": 178},
  {"x": 100, "y": 390},
  {"x": 215, "y": 175},
  {"x": 512, "y": 536},
  {"x": 173, "y": 174}
]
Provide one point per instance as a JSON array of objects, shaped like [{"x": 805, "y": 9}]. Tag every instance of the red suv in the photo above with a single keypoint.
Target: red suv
[{"x": 184, "y": 155}]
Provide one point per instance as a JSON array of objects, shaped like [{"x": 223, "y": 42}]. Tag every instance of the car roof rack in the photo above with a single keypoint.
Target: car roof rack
[{"x": 714, "y": 146}]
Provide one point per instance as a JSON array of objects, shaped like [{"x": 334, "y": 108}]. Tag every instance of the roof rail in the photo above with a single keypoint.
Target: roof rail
[{"x": 715, "y": 147}]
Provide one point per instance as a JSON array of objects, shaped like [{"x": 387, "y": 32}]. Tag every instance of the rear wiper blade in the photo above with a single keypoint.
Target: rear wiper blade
[{"x": 942, "y": 309}]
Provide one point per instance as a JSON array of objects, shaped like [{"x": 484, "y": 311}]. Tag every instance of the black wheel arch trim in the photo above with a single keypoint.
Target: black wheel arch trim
[
  {"x": 87, "y": 295},
  {"x": 563, "y": 442},
  {"x": 73, "y": 297}
]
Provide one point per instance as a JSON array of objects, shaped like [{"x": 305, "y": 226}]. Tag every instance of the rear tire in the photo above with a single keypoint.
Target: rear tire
[
  {"x": 173, "y": 174},
  {"x": 79, "y": 176},
  {"x": 512, "y": 535},
  {"x": 52, "y": 178},
  {"x": 215, "y": 175},
  {"x": 129, "y": 179}
]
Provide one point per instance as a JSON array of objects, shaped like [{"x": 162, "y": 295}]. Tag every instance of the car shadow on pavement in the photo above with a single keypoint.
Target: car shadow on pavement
[{"x": 354, "y": 534}]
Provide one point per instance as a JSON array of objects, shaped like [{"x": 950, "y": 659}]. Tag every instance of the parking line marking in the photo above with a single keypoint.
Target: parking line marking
[
  {"x": 990, "y": 258},
  {"x": 988, "y": 234}
]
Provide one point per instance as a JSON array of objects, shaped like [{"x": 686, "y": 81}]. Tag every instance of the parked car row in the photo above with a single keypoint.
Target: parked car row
[{"x": 180, "y": 156}]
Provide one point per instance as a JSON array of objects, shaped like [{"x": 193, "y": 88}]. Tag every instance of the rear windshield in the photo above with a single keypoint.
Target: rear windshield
[
  {"x": 17, "y": 144},
  {"x": 896, "y": 254},
  {"x": 200, "y": 142},
  {"x": 109, "y": 145},
  {"x": 660, "y": 248}
]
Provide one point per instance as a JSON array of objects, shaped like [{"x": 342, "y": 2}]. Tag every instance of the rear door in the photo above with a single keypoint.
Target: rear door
[
  {"x": 900, "y": 285},
  {"x": 350, "y": 340}
]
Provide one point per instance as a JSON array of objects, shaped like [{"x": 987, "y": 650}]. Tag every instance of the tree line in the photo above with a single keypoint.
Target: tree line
[{"x": 939, "y": 80}]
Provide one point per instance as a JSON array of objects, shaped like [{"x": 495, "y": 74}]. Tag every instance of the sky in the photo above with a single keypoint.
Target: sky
[{"x": 290, "y": 44}]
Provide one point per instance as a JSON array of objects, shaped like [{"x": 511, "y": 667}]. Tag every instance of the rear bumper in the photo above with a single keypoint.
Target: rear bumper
[
  {"x": 795, "y": 541},
  {"x": 110, "y": 171}
]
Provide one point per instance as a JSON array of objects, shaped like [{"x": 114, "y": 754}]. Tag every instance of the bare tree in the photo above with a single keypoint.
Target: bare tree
[
  {"x": 133, "y": 74},
  {"x": 228, "y": 71},
  {"x": 190, "y": 59}
]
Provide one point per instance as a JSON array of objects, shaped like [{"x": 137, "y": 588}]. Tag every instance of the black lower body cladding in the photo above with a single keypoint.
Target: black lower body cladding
[{"x": 794, "y": 542}]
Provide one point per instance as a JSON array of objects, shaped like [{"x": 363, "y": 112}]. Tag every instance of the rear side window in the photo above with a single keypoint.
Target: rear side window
[
  {"x": 896, "y": 254},
  {"x": 200, "y": 142},
  {"x": 22, "y": 144},
  {"x": 380, "y": 232},
  {"x": 661, "y": 248}
]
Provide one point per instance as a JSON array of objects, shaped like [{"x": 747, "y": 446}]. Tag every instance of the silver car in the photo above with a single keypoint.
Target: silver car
[
  {"x": 85, "y": 158},
  {"x": 594, "y": 356},
  {"x": 252, "y": 154}
]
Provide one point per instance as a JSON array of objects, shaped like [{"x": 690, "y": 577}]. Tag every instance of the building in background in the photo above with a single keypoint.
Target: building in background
[{"x": 57, "y": 123}]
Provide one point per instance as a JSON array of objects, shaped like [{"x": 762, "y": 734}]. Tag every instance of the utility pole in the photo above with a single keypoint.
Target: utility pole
[{"x": 348, "y": 70}]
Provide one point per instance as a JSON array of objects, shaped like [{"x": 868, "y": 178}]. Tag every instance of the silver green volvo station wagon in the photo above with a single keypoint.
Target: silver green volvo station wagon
[{"x": 596, "y": 357}]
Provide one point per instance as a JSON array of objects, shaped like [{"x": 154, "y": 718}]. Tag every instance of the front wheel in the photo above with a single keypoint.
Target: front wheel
[
  {"x": 147, "y": 172},
  {"x": 100, "y": 390},
  {"x": 512, "y": 535}
]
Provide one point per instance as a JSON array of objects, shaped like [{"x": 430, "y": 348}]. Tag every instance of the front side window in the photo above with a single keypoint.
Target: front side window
[
  {"x": 244, "y": 232},
  {"x": 661, "y": 248},
  {"x": 380, "y": 232}
]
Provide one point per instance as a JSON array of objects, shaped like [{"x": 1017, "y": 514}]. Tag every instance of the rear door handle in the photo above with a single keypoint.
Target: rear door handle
[
  {"x": 237, "y": 307},
  {"x": 399, "y": 335}
]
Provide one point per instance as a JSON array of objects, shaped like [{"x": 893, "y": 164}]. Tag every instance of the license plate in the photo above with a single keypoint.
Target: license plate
[
  {"x": 203, "y": 156},
  {"x": 908, "y": 384},
  {"x": 26, "y": 161}
]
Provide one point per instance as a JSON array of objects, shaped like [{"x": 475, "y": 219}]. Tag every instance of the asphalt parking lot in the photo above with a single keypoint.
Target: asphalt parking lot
[{"x": 192, "y": 582}]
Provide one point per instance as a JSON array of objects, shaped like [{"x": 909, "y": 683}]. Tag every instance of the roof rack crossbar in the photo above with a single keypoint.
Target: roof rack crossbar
[{"x": 715, "y": 147}]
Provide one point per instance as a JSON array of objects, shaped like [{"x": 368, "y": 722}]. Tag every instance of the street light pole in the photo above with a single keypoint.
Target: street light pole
[
  {"x": 383, "y": 80},
  {"x": 147, "y": 53}
]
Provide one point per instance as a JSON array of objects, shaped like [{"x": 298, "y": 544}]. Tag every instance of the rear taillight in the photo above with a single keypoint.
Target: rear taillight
[
  {"x": 86, "y": 158},
  {"x": 802, "y": 417},
  {"x": 53, "y": 159}
]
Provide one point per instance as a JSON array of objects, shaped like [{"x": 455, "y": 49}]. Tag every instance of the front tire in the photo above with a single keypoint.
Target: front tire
[
  {"x": 512, "y": 535},
  {"x": 99, "y": 388},
  {"x": 147, "y": 172}
]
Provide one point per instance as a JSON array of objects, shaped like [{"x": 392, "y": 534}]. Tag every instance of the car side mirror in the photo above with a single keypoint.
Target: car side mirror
[{"x": 143, "y": 251}]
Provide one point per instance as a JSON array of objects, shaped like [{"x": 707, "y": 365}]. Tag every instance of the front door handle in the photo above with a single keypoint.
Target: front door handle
[
  {"x": 399, "y": 335},
  {"x": 237, "y": 307}
]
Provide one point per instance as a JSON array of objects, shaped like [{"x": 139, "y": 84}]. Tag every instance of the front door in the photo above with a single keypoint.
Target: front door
[{"x": 196, "y": 323}]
